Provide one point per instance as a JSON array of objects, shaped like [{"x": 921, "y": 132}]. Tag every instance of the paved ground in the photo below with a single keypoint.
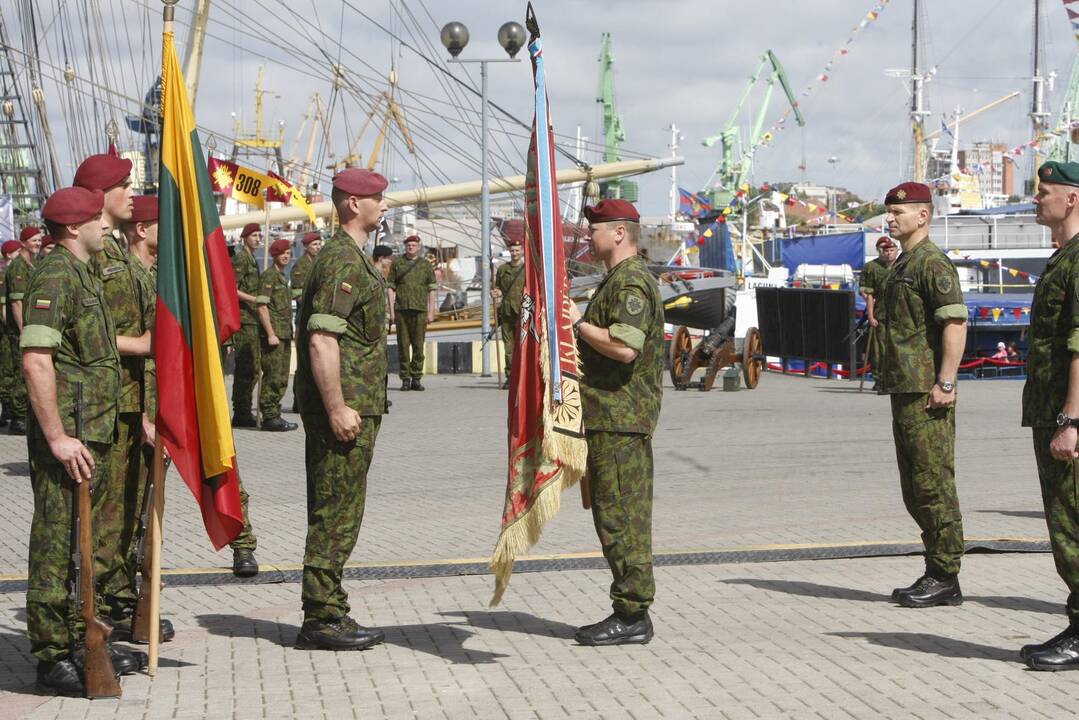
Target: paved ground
[{"x": 794, "y": 462}]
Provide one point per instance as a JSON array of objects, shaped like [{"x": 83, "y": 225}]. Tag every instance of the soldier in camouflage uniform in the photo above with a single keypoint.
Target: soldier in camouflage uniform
[
  {"x": 245, "y": 342},
  {"x": 1051, "y": 399},
  {"x": 312, "y": 243},
  {"x": 16, "y": 278},
  {"x": 924, "y": 336},
  {"x": 68, "y": 337},
  {"x": 509, "y": 287},
  {"x": 275, "y": 314},
  {"x": 872, "y": 287},
  {"x": 620, "y": 340},
  {"x": 8, "y": 368},
  {"x": 412, "y": 305},
  {"x": 341, "y": 384}
]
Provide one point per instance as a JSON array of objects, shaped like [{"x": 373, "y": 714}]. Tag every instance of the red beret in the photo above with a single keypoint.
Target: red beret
[
  {"x": 909, "y": 192},
  {"x": 144, "y": 209},
  {"x": 311, "y": 237},
  {"x": 9, "y": 247},
  {"x": 101, "y": 172},
  {"x": 608, "y": 210},
  {"x": 250, "y": 228},
  {"x": 358, "y": 181},
  {"x": 279, "y": 246},
  {"x": 510, "y": 242},
  {"x": 73, "y": 205},
  {"x": 412, "y": 238},
  {"x": 28, "y": 232},
  {"x": 46, "y": 240},
  {"x": 885, "y": 242}
]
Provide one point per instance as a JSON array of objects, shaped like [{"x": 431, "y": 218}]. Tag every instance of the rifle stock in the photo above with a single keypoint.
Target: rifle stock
[
  {"x": 100, "y": 676},
  {"x": 140, "y": 628}
]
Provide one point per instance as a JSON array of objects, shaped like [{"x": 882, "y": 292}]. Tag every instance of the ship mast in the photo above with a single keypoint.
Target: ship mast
[
  {"x": 918, "y": 112},
  {"x": 1039, "y": 116}
]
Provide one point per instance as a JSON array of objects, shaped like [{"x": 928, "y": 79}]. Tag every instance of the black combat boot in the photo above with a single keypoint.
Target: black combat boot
[
  {"x": 244, "y": 420},
  {"x": 406, "y": 385},
  {"x": 908, "y": 589},
  {"x": 1027, "y": 650},
  {"x": 1061, "y": 655},
  {"x": 616, "y": 630},
  {"x": 278, "y": 424},
  {"x": 17, "y": 427},
  {"x": 244, "y": 563},
  {"x": 340, "y": 634},
  {"x": 930, "y": 592},
  {"x": 121, "y": 617},
  {"x": 124, "y": 661},
  {"x": 417, "y": 385},
  {"x": 61, "y": 678}
]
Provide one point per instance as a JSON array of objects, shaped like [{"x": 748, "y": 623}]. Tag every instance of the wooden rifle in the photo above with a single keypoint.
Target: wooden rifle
[
  {"x": 100, "y": 676},
  {"x": 140, "y": 624}
]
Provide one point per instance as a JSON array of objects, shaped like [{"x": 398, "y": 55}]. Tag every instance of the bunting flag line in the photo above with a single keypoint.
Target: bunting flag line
[
  {"x": 197, "y": 310},
  {"x": 993, "y": 265},
  {"x": 692, "y": 204},
  {"x": 1073, "y": 18},
  {"x": 547, "y": 449}
]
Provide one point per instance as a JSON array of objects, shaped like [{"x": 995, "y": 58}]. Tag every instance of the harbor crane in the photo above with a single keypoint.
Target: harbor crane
[{"x": 736, "y": 159}]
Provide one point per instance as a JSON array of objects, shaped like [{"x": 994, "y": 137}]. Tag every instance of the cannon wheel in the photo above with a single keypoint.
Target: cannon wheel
[
  {"x": 752, "y": 358},
  {"x": 721, "y": 358},
  {"x": 681, "y": 352}
]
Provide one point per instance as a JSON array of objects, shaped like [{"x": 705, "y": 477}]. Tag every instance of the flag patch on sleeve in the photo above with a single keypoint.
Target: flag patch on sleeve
[
  {"x": 42, "y": 304},
  {"x": 346, "y": 288}
]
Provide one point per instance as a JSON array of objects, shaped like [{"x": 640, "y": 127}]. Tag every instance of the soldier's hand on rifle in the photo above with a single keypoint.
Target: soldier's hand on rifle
[
  {"x": 273, "y": 341},
  {"x": 345, "y": 423},
  {"x": 496, "y": 294},
  {"x": 873, "y": 322},
  {"x": 574, "y": 312},
  {"x": 74, "y": 456},
  {"x": 149, "y": 431}
]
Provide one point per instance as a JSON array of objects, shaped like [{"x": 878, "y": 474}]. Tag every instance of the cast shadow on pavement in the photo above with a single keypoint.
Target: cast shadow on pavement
[
  {"x": 935, "y": 645},
  {"x": 809, "y": 589},
  {"x": 18, "y": 666},
  {"x": 16, "y": 469},
  {"x": 1037, "y": 514},
  {"x": 514, "y": 622},
  {"x": 439, "y": 639}
]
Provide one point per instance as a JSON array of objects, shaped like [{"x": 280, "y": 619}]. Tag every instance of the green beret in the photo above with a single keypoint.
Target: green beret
[{"x": 1059, "y": 173}]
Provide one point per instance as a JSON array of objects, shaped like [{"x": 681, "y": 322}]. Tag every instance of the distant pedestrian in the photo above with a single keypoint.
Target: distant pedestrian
[{"x": 412, "y": 305}]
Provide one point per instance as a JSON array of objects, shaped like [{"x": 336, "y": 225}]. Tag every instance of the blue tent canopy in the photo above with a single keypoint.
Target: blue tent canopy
[{"x": 837, "y": 249}]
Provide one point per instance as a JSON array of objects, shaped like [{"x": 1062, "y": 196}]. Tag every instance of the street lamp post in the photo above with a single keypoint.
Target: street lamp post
[
  {"x": 833, "y": 161},
  {"x": 511, "y": 36}
]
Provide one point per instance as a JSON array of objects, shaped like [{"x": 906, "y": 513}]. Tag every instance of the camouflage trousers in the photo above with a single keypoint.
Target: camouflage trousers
[
  {"x": 411, "y": 332},
  {"x": 245, "y": 344},
  {"x": 507, "y": 325},
  {"x": 246, "y": 540},
  {"x": 620, "y": 483},
  {"x": 925, "y": 451},
  {"x": 7, "y": 372},
  {"x": 1060, "y": 496},
  {"x": 121, "y": 484},
  {"x": 336, "y": 494},
  {"x": 874, "y": 349},
  {"x": 275, "y": 366},
  {"x": 18, "y": 384},
  {"x": 52, "y": 623}
]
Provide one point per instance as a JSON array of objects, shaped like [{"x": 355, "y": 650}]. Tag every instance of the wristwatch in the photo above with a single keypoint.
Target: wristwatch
[
  {"x": 946, "y": 385},
  {"x": 1063, "y": 421},
  {"x": 577, "y": 328}
]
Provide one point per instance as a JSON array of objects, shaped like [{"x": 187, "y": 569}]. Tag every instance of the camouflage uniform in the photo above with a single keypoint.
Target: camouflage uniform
[
  {"x": 874, "y": 275},
  {"x": 1054, "y": 339},
  {"x": 510, "y": 280},
  {"x": 347, "y": 298},
  {"x": 15, "y": 280},
  {"x": 7, "y": 367},
  {"x": 412, "y": 281},
  {"x": 67, "y": 312},
  {"x": 922, "y": 292},
  {"x": 245, "y": 342},
  {"x": 298, "y": 276},
  {"x": 275, "y": 294},
  {"x": 621, "y": 403},
  {"x": 131, "y": 303}
]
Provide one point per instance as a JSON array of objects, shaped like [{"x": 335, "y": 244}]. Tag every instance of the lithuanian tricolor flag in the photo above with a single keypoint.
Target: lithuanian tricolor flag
[{"x": 197, "y": 310}]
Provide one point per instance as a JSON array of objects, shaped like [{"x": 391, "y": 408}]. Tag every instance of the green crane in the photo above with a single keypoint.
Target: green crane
[
  {"x": 613, "y": 134},
  {"x": 1060, "y": 148},
  {"x": 736, "y": 160}
]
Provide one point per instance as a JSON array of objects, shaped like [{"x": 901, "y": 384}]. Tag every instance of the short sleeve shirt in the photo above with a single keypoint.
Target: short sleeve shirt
[
  {"x": 66, "y": 311},
  {"x": 275, "y": 294},
  {"x": 510, "y": 279},
  {"x": 412, "y": 281},
  {"x": 345, "y": 296},
  {"x": 1053, "y": 337},
  {"x": 617, "y": 396},
  {"x": 921, "y": 294},
  {"x": 247, "y": 280}
]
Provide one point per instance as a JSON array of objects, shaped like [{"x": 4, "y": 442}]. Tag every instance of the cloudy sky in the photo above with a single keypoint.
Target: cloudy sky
[{"x": 677, "y": 61}]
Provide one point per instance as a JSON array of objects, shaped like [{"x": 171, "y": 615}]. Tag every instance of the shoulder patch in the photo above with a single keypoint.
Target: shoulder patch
[
  {"x": 944, "y": 283},
  {"x": 634, "y": 304},
  {"x": 346, "y": 288},
  {"x": 42, "y": 303}
]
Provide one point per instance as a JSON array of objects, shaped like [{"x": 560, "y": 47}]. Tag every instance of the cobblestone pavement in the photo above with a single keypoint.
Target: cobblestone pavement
[{"x": 794, "y": 461}]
